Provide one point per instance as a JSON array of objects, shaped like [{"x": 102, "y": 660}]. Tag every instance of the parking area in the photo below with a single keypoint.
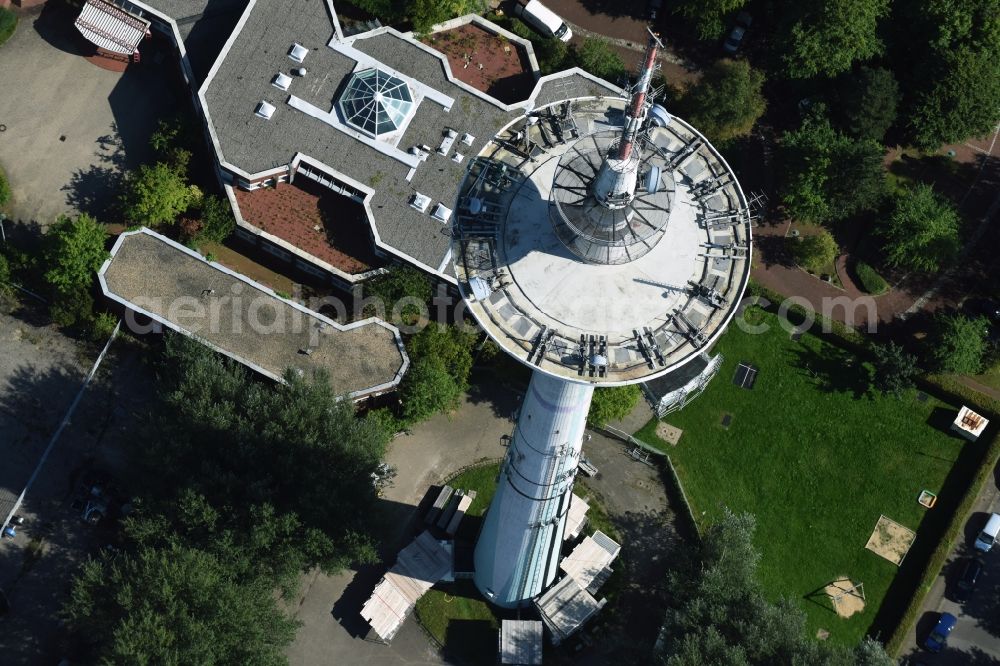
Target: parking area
[
  {"x": 40, "y": 373},
  {"x": 332, "y": 631},
  {"x": 976, "y": 637},
  {"x": 70, "y": 128}
]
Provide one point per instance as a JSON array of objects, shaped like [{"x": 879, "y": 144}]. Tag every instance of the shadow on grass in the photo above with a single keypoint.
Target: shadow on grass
[
  {"x": 834, "y": 370},
  {"x": 932, "y": 529},
  {"x": 470, "y": 642}
]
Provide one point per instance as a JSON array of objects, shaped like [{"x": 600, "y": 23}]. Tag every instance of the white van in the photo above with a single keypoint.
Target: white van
[
  {"x": 988, "y": 536},
  {"x": 543, "y": 19}
]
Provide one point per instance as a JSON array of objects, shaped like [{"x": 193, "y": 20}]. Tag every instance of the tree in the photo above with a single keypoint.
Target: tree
[
  {"x": 427, "y": 389},
  {"x": 952, "y": 49},
  {"x": 894, "y": 368},
  {"x": 816, "y": 251},
  {"x": 424, "y": 14},
  {"x": 828, "y": 37},
  {"x": 828, "y": 176},
  {"x": 708, "y": 16},
  {"x": 175, "y": 605},
  {"x": 922, "y": 231},
  {"x": 959, "y": 98},
  {"x": 868, "y": 103},
  {"x": 156, "y": 195},
  {"x": 717, "y": 613},
  {"x": 402, "y": 282},
  {"x": 216, "y": 222},
  {"x": 73, "y": 251},
  {"x": 612, "y": 404},
  {"x": 596, "y": 57},
  {"x": 243, "y": 444},
  {"x": 958, "y": 344},
  {"x": 727, "y": 100},
  {"x": 441, "y": 360}
]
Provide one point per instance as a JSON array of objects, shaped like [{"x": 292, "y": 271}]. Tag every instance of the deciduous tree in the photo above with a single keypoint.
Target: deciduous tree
[
  {"x": 613, "y": 404},
  {"x": 894, "y": 368},
  {"x": 73, "y": 251},
  {"x": 827, "y": 38},
  {"x": 922, "y": 231},
  {"x": 959, "y": 344},
  {"x": 868, "y": 102},
  {"x": 156, "y": 195},
  {"x": 727, "y": 100},
  {"x": 175, "y": 605},
  {"x": 708, "y": 16},
  {"x": 828, "y": 176},
  {"x": 597, "y": 57}
]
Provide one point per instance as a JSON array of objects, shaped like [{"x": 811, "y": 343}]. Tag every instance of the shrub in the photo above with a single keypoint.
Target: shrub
[
  {"x": 5, "y": 288},
  {"x": 958, "y": 344},
  {"x": 870, "y": 281},
  {"x": 103, "y": 326},
  {"x": 815, "y": 252},
  {"x": 922, "y": 232},
  {"x": 4, "y": 188},
  {"x": 596, "y": 57}
]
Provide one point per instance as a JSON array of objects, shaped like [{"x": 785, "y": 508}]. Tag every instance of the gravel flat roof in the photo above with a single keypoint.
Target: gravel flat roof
[
  {"x": 254, "y": 145},
  {"x": 155, "y": 276}
]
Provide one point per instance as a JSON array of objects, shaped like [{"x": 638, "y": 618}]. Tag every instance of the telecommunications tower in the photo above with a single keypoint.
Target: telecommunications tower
[{"x": 601, "y": 242}]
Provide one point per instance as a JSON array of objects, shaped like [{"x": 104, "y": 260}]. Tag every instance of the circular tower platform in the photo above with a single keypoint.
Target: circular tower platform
[{"x": 606, "y": 295}]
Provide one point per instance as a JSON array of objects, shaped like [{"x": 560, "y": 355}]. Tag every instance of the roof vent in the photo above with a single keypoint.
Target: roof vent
[
  {"x": 457, "y": 158},
  {"x": 265, "y": 110},
  {"x": 467, "y": 139},
  {"x": 299, "y": 71},
  {"x": 281, "y": 81},
  {"x": 420, "y": 202},
  {"x": 298, "y": 52},
  {"x": 441, "y": 213}
]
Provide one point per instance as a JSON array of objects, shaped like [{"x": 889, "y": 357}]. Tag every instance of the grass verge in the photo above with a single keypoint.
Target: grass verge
[
  {"x": 817, "y": 458},
  {"x": 8, "y": 24}
]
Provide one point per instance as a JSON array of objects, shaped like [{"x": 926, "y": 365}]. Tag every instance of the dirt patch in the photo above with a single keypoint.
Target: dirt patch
[
  {"x": 668, "y": 433},
  {"x": 847, "y": 599},
  {"x": 890, "y": 540},
  {"x": 488, "y": 62}
]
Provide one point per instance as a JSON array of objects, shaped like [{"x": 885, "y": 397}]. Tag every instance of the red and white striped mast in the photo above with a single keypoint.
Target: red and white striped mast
[{"x": 614, "y": 185}]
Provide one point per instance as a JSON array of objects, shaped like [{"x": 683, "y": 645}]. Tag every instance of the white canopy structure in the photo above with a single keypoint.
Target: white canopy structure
[{"x": 111, "y": 28}]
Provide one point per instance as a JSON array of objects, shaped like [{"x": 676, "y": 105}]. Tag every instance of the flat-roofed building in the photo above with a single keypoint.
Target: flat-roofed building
[{"x": 175, "y": 287}]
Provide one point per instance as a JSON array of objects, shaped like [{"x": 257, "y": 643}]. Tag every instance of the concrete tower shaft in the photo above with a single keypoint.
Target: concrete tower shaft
[{"x": 517, "y": 554}]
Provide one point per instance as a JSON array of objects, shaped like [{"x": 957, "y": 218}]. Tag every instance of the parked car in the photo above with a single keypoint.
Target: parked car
[
  {"x": 939, "y": 634},
  {"x": 543, "y": 19},
  {"x": 735, "y": 38},
  {"x": 653, "y": 8},
  {"x": 966, "y": 584},
  {"x": 989, "y": 535},
  {"x": 95, "y": 495}
]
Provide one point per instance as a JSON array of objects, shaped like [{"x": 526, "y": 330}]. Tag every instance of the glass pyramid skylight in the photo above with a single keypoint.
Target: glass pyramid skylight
[{"x": 375, "y": 102}]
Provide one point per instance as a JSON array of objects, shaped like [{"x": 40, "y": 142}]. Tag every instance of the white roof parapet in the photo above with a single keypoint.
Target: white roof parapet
[{"x": 361, "y": 358}]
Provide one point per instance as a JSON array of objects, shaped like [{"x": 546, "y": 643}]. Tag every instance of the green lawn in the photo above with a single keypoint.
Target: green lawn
[
  {"x": 458, "y": 618},
  {"x": 817, "y": 458}
]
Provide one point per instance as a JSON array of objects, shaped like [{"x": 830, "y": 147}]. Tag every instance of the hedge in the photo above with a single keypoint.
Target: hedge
[
  {"x": 940, "y": 555},
  {"x": 870, "y": 280}
]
